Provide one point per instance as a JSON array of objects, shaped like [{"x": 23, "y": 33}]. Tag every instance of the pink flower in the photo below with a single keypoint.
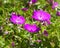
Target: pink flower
[
  {"x": 17, "y": 19},
  {"x": 50, "y": 1},
  {"x": 32, "y": 2},
  {"x": 33, "y": 28},
  {"x": 38, "y": 40},
  {"x": 24, "y": 9},
  {"x": 41, "y": 16},
  {"x": 45, "y": 33},
  {"x": 58, "y": 13},
  {"x": 54, "y": 5},
  {"x": 13, "y": 44}
]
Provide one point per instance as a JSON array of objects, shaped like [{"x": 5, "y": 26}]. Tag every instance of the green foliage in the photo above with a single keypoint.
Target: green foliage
[{"x": 21, "y": 37}]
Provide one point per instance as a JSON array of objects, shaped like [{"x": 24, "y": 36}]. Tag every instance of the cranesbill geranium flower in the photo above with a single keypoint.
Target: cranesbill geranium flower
[
  {"x": 41, "y": 15},
  {"x": 54, "y": 5},
  {"x": 33, "y": 28},
  {"x": 17, "y": 19}
]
